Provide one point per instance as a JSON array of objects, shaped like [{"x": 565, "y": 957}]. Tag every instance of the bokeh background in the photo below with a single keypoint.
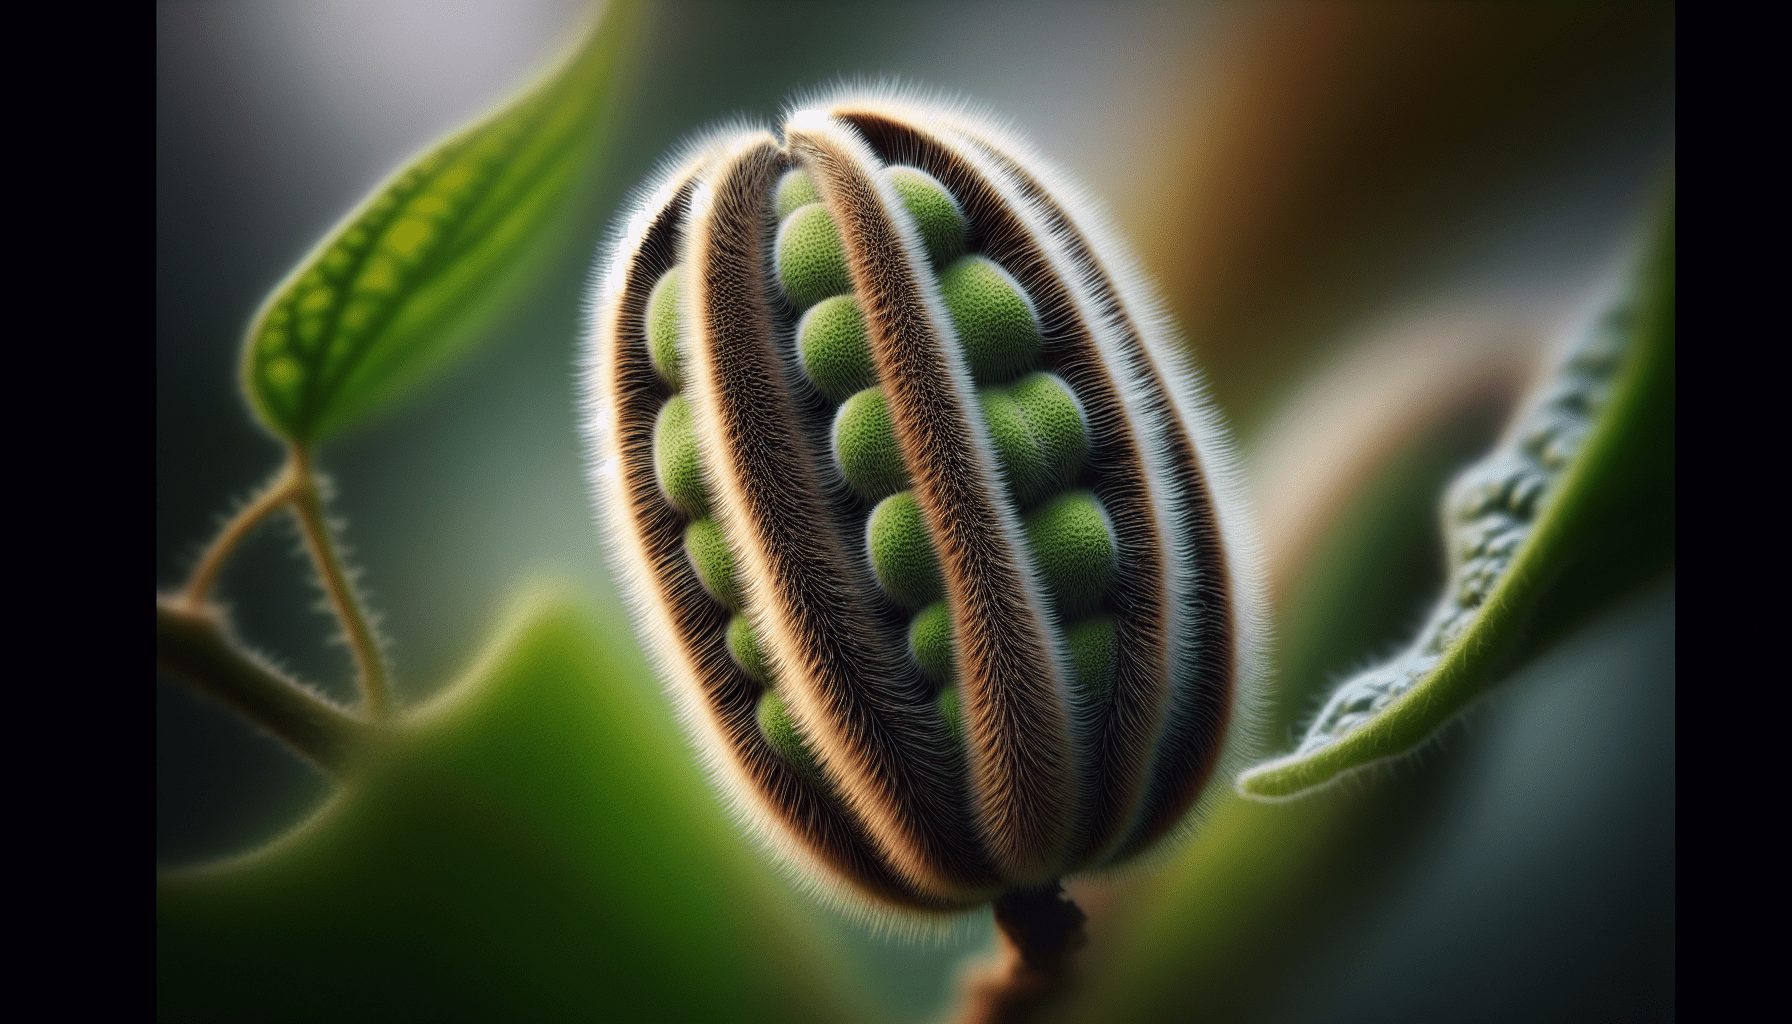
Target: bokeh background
[{"x": 1372, "y": 219}]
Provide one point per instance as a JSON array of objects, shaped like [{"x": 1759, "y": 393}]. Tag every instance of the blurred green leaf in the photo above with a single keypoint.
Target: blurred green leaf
[
  {"x": 535, "y": 846},
  {"x": 1225, "y": 922},
  {"x": 1376, "y": 566},
  {"x": 407, "y": 279},
  {"x": 1574, "y": 508},
  {"x": 1524, "y": 842}
]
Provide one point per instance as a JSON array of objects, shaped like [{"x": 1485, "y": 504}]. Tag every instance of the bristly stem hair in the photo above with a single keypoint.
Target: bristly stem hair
[
  {"x": 196, "y": 646},
  {"x": 194, "y": 641},
  {"x": 274, "y": 497},
  {"x": 370, "y": 662}
]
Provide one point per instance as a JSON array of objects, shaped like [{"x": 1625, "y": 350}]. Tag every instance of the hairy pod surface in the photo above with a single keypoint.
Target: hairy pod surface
[{"x": 918, "y": 505}]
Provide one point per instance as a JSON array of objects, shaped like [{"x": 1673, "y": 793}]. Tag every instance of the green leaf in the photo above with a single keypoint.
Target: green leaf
[
  {"x": 1574, "y": 508},
  {"x": 1237, "y": 915},
  {"x": 406, "y": 280},
  {"x": 1526, "y": 834},
  {"x": 533, "y": 846}
]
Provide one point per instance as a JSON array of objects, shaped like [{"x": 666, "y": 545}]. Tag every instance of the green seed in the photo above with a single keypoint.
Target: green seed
[
  {"x": 1037, "y": 431},
  {"x": 1073, "y": 550},
  {"x": 823, "y": 429},
  {"x": 707, "y": 549},
  {"x": 1056, "y": 421},
  {"x": 795, "y": 189},
  {"x": 1092, "y": 655},
  {"x": 811, "y": 259},
  {"x": 902, "y": 554},
  {"x": 676, "y": 459},
  {"x": 665, "y": 321},
  {"x": 930, "y": 642},
  {"x": 865, "y": 443},
  {"x": 936, "y": 213},
  {"x": 950, "y": 711},
  {"x": 1017, "y": 453},
  {"x": 743, "y": 645},
  {"x": 996, "y": 327},
  {"x": 835, "y": 351},
  {"x": 781, "y": 734}
]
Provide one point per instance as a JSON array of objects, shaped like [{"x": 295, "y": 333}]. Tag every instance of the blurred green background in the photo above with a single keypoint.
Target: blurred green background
[{"x": 1314, "y": 184}]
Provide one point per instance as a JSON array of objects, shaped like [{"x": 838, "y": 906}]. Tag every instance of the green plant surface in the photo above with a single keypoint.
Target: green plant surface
[
  {"x": 1605, "y": 520},
  {"x": 537, "y": 844},
  {"x": 521, "y": 849},
  {"x": 1252, "y": 919},
  {"x": 407, "y": 279},
  {"x": 1219, "y": 924},
  {"x": 1417, "y": 898}
]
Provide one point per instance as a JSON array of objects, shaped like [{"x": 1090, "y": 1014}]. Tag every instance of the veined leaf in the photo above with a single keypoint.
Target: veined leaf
[
  {"x": 1388, "y": 902},
  {"x": 532, "y": 846},
  {"x": 1254, "y": 908},
  {"x": 1577, "y": 503},
  {"x": 404, "y": 282}
]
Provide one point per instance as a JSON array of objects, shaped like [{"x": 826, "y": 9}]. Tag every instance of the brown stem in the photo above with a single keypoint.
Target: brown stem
[
  {"x": 1039, "y": 930},
  {"x": 309, "y": 503},
  {"x": 199, "y": 586},
  {"x": 193, "y": 645}
]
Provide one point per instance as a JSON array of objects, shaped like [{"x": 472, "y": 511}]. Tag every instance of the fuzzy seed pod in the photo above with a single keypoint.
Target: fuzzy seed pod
[{"x": 919, "y": 508}]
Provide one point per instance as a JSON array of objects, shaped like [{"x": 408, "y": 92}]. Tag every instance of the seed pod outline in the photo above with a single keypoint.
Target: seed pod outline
[{"x": 1048, "y": 779}]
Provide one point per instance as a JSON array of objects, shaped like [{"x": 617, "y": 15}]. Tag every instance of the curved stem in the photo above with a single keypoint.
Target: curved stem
[
  {"x": 205, "y": 574},
  {"x": 192, "y": 644},
  {"x": 307, "y": 500},
  {"x": 1039, "y": 929}
]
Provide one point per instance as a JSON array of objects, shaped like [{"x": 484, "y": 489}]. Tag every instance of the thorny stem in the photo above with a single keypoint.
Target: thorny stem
[
  {"x": 195, "y": 645},
  {"x": 278, "y": 493},
  {"x": 1039, "y": 928},
  {"x": 307, "y": 500}
]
